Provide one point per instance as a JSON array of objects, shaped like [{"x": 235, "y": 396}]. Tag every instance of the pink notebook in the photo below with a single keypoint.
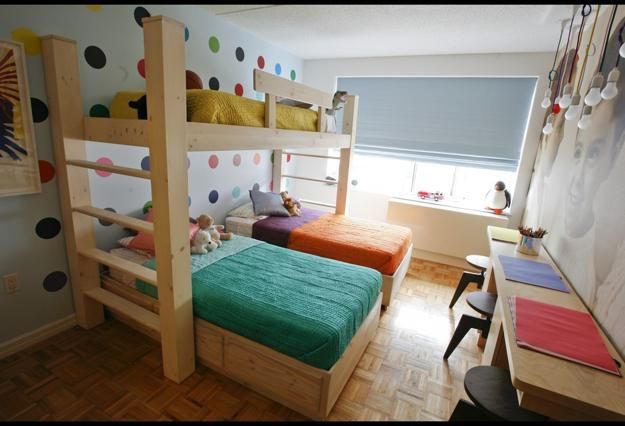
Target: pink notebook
[{"x": 561, "y": 332}]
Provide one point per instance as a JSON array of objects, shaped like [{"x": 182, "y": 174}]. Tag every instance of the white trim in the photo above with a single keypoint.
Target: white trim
[{"x": 28, "y": 339}]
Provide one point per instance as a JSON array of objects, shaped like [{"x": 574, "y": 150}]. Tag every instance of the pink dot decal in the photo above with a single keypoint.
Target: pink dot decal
[
  {"x": 213, "y": 161},
  {"x": 141, "y": 67},
  {"x": 288, "y": 158},
  {"x": 104, "y": 160},
  {"x": 257, "y": 158},
  {"x": 236, "y": 160},
  {"x": 261, "y": 62},
  {"x": 238, "y": 89}
]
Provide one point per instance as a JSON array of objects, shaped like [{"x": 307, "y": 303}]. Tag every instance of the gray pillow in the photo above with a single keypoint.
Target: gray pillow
[{"x": 268, "y": 203}]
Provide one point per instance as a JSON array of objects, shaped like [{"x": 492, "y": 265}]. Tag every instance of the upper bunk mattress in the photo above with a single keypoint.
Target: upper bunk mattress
[
  {"x": 304, "y": 306},
  {"x": 209, "y": 106}
]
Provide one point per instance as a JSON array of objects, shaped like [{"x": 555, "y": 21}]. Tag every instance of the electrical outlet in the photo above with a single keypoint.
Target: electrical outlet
[{"x": 11, "y": 283}]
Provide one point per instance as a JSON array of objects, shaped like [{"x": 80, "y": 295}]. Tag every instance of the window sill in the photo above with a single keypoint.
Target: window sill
[{"x": 458, "y": 209}]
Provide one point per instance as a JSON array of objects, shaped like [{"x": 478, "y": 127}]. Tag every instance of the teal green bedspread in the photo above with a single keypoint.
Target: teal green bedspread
[{"x": 304, "y": 306}]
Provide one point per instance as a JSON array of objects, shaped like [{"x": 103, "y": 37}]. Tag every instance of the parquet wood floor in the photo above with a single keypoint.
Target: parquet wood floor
[{"x": 112, "y": 372}]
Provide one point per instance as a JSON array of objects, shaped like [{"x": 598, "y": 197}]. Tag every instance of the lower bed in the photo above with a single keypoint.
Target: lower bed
[
  {"x": 386, "y": 248},
  {"x": 287, "y": 324}
]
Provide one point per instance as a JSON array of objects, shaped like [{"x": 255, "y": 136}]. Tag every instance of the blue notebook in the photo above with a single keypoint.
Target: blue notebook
[{"x": 532, "y": 272}]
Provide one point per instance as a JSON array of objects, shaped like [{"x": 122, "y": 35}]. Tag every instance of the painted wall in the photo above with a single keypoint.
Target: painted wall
[
  {"x": 578, "y": 194},
  {"x": 110, "y": 46},
  {"x": 322, "y": 74}
]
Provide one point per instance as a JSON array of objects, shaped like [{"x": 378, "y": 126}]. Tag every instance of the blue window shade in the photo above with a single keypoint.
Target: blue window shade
[{"x": 461, "y": 121}]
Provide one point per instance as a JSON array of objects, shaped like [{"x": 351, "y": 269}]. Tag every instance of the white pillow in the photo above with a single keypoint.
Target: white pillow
[{"x": 246, "y": 210}]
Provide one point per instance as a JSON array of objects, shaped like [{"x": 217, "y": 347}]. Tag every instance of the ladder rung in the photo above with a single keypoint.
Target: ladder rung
[
  {"x": 328, "y": 181},
  {"x": 113, "y": 261},
  {"x": 145, "y": 174},
  {"x": 120, "y": 219},
  {"x": 300, "y": 154},
  {"x": 126, "y": 307},
  {"x": 317, "y": 203}
]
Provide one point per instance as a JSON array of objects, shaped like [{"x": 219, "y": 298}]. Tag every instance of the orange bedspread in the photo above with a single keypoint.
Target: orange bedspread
[{"x": 362, "y": 242}]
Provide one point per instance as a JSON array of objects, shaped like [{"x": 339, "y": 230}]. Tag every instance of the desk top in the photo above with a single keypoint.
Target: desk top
[{"x": 586, "y": 389}]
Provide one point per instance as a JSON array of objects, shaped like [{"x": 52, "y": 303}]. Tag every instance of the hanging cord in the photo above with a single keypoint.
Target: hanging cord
[
  {"x": 555, "y": 58},
  {"x": 566, "y": 56},
  {"x": 607, "y": 37},
  {"x": 579, "y": 42},
  {"x": 592, "y": 34}
]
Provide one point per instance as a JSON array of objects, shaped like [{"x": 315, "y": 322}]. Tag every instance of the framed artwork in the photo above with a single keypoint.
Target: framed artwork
[{"x": 19, "y": 168}]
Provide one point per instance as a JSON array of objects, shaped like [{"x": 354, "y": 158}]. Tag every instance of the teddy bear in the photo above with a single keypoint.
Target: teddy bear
[
  {"x": 216, "y": 232},
  {"x": 291, "y": 205},
  {"x": 202, "y": 242}
]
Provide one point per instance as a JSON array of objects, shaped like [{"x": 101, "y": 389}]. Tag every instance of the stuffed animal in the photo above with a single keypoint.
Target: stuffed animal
[
  {"x": 216, "y": 232},
  {"x": 291, "y": 205},
  {"x": 338, "y": 99},
  {"x": 202, "y": 242}
]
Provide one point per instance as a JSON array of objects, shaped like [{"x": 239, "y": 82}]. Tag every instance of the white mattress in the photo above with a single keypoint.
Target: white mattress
[
  {"x": 241, "y": 225},
  {"x": 132, "y": 256}
]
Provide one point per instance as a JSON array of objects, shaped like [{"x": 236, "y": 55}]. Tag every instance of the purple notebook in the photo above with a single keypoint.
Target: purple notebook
[{"x": 531, "y": 272}]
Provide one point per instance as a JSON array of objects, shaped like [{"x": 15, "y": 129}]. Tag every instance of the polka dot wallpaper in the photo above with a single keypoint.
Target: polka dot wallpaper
[{"x": 110, "y": 56}]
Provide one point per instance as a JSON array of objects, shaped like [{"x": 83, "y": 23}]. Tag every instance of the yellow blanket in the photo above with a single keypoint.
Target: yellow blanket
[{"x": 209, "y": 106}]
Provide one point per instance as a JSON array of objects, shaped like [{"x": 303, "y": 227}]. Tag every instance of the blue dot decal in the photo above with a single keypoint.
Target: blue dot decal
[
  {"x": 213, "y": 196},
  {"x": 189, "y": 200},
  {"x": 104, "y": 222},
  {"x": 278, "y": 69},
  {"x": 145, "y": 163},
  {"x": 47, "y": 228},
  {"x": 236, "y": 192},
  {"x": 186, "y": 33},
  {"x": 55, "y": 281}
]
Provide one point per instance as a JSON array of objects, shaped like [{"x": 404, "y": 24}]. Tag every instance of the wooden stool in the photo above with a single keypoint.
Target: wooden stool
[
  {"x": 479, "y": 262},
  {"x": 491, "y": 390},
  {"x": 482, "y": 302}
]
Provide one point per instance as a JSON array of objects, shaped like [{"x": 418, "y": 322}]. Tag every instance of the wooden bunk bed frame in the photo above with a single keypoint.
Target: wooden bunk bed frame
[{"x": 168, "y": 136}]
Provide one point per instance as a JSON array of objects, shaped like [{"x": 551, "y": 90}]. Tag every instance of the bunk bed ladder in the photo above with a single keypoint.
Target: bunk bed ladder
[{"x": 163, "y": 133}]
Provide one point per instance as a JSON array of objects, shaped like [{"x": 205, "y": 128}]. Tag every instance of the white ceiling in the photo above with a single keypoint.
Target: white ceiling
[{"x": 343, "y": 31}]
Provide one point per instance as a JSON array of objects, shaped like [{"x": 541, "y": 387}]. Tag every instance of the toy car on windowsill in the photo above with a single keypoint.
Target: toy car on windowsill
[{"x": 430, "y": 195}]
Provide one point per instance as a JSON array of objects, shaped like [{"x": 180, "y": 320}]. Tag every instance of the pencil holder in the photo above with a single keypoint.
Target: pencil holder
[{"x": 529, "y": 245}]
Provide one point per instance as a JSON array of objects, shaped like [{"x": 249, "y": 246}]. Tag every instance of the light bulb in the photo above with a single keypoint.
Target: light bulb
[
  {"x": 621, "y": 51},
  {"x": 610, "y": 90},
  {"x": 586, "y": 121},
  {"x": 547, "y": 100},
  {"x": 594, "y": 94},
  {"x": 574, "y": 108},
  {"x": 566, "y": 99},
  {"x": 548, "y": 129}
]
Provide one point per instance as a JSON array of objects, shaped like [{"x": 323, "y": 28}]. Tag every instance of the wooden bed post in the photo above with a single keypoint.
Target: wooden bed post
[
  {"x": 60, "y": 61},
  {"x": 166, "y": 134},
  {"x": 270, "y": 123},
  {"x": 350, "y": 116}
]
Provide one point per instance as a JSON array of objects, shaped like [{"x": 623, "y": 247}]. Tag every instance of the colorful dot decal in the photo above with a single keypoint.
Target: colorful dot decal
[
  {"x": 193, "y": 80},
  {"x": 257, "y": 158},
  {"x": 278, "y": 69},
  {"x": 47, "y": 228},
  {"x": 240, "y": 54},
  {"x": 104, "y": 222},
  {"x": 272, "y": 157},
  {"x": 260, "y": 62},
  {"x": 94, "y": 7},
  {"x": 55, "y": 281},
  {"x": 288, "y": 158},
  {"x": 99, "y": 110},
  {"x": 236, "y": 160},
  {"x": 213, "y": 161},
  {"x": 39, "y": 110},
  {"x": 238, "y": 89},
  {"x": 293, "y": 75},
  {"x": 32, "y": 45},
  {"x": 186, "y": 33},
  {"x": 145, "y": 163},
  {"x": 189, "y": 200},
  {"x": 95, "y": 57},
  {"x": 104, "y": 160},
  {"x": 140, "y": 13},
  {"x": 236, "y": 192},
  {"x": 147, "y": 206},
  {"x": 46, "y": 171},
  {"x": 213, "y": 196},
  {"x": 213, "y": 83},
  {"x": 141, "y": 67},
  {"x": 213, "y": 44}
]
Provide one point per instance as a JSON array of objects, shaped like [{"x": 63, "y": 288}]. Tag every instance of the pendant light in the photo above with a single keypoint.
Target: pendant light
[
  {"x": 548, "y": 129},
  {"x": 610, "y": 90},
  {"x": 585, "y": 121},
  {"x": 547, "y": 99},
  {"x": 556, "y": 103},
  {"x": 576, "y": 102},
  {"x": 567, "y": 92},
  {"x": 594, "y": 94}
]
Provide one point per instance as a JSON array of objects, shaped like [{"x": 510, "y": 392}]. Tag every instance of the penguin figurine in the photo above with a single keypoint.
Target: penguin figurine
[{"x": 498, "y": 199}]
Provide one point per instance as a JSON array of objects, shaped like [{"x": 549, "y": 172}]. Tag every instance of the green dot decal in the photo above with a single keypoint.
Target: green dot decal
[
  {"x": 147, "y": 206},
  {"x": 236, "y": 192},
  {"x": 99, "y": 110},
  {"x": 293, "y": 75},
  {"x": 213, "y": 44}
]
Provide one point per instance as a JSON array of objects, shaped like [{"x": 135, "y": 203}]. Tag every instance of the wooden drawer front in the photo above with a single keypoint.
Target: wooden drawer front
[
  {"x": 288, "y": 385},
  {"x": 209, "y": 346}
]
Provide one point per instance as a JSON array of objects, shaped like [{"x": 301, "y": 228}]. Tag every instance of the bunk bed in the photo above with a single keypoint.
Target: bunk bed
[{"x": 309, "y": 389}]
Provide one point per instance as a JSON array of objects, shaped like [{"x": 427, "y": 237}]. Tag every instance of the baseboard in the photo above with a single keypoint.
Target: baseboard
[
  {"x": 25, "y": 340},
  {"x": 439, "y": 258}
]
